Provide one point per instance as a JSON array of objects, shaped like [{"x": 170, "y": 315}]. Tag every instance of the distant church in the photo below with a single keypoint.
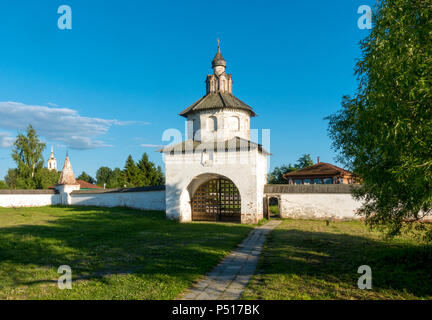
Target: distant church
[
  {"x": 52, "y": 162},
  {"x": 218, "y": 174}
]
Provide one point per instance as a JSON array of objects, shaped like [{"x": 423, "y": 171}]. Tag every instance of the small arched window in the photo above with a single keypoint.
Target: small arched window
[
  {"x": 234, "y": 123},
  {"x": 222, "y": 84},
  {"x": 212, "y": 123}
]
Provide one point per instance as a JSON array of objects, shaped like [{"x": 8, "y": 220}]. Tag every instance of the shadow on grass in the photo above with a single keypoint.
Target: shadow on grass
[
  {"x": 97, "y": 241},
  {"x": 330, "y": 258}
]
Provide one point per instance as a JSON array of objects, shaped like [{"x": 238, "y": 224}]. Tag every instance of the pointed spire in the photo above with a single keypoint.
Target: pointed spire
[
  {"x": 67, "y": 174},
  {"x": 218, "y": 60},
  {"x": 52, "y": 153}
]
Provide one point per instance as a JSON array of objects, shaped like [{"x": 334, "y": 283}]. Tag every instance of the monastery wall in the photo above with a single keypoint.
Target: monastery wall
[
  {"x": 28, "y": 198},
  {"x": 315, "y": 201},
  {"x": 295, "y": 201},
  {"x": 144, "y": 198}
]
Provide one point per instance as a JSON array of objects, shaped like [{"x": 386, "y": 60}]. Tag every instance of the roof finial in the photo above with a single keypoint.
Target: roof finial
[{"x": 218, "y": 59}]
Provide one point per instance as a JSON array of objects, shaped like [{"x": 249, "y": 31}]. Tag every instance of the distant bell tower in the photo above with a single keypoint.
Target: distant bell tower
[{"x": 52, "y": 162}]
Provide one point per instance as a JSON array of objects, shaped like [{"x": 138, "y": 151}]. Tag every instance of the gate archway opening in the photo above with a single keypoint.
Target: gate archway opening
[{"x": 216, "y": 200}]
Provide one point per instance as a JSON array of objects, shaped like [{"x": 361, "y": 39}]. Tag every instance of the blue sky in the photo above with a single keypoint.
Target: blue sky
[{"x": 119, "y": 78}]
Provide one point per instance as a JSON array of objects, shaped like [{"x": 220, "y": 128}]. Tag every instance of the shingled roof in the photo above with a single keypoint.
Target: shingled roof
[
  {"x": 318, "y": 169},
  {"x": 234, "y": 144},
  {"x": 87, "y": 185},
  {"x": 218, "y": 60},
  {"x": 67, "y": 174},
  {"x": 218, "y": 100}
]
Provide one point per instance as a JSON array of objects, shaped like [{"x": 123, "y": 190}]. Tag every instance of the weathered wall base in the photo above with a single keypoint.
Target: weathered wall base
[
  {"x": 319, "y": 206},
  {"x": 28, "y": 198},
  {"x": 144, "y": 200},
  {"x": 314, "y": 201}
]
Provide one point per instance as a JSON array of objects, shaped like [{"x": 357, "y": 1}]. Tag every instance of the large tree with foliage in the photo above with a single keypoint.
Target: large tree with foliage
[
  {"x": 86, "y": 177},
  {"x": 103, "y": 175},
  {"x": 3, "y": 185},
  {"x": 276, "y": 176},
  {"x": 46, "y": 178},
  {"x": 116, "y": 179},
  {"x": 150, "y": 174},
  {"x": 384, "y": 132},
  {"x": 11, "y": 178},
  {"x": 27, "y": 154},
  {"x": 304, "y": 161},
  {"x": 132, "y": 173},
  {"x": 160, "y": 177}
]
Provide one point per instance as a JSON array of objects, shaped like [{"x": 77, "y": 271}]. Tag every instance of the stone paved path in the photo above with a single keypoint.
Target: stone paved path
[{"x": 230, "y": 277}]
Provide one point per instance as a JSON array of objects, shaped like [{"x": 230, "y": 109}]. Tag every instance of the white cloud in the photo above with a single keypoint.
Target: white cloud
[
  {"x": 6, "y": 141},
  {"x": 145, "y": 145},
  {"x": 52, "y": 104},
  {"x": 56, "y": 124}
]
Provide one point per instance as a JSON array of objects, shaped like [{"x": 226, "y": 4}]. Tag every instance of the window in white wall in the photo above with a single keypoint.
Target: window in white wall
[
  {"x": 212, "y": 123},
  {"x": 223, "y": 84},
  {"x": 190, "y": 128},
  {"x": 234, "y": 123}
]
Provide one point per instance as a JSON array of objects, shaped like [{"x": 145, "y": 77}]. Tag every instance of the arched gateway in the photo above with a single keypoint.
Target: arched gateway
[{"x": 216, "y": 200}]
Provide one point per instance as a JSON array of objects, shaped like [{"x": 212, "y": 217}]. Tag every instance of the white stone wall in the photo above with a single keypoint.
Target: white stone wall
[
  {"x": 202, "y": 132},
  {"x": 318, "y": 205},
  {"x": 146, "y": 200},
  {"x": 65, "y": 191},
  {"x": 29, "y": 200}
]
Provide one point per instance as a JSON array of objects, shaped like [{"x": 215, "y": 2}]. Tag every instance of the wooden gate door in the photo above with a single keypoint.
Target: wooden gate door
[{"x": 217, "y": 200}]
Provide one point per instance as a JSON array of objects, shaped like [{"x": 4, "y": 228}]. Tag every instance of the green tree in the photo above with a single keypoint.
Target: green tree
[
  {"x": 3, "y": 185},
  {"x": 11, "y": 178},
  {"x": 86, "y": 177},
  {"x": 46, "y": 178},
  {"x": 146, "y": 169},
  {"x": 276, "y": 176},
  {"x": 103, "y": 175},
  {"x": 160, "y": 177},
  {"x": 116, "y": 179},
  {"x": 384, "y": 132},
  {"x": 304, "y": 161},
  {"x": 132, "y": 174},
  {"x": 27, "y": 154},
  {"x": 150, "y": 174}
]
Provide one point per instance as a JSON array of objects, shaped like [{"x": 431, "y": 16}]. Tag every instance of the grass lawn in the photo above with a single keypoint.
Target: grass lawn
[
  {"x": 305, "y": 259},
  {"x": 114, "y": 253}
]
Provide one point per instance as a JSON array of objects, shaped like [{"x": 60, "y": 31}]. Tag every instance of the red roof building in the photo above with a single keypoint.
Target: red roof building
[
  {"x": 320, "y": 173},
  {"x": 87, "y": 185},
  {"x": 84, "y": 185}
]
